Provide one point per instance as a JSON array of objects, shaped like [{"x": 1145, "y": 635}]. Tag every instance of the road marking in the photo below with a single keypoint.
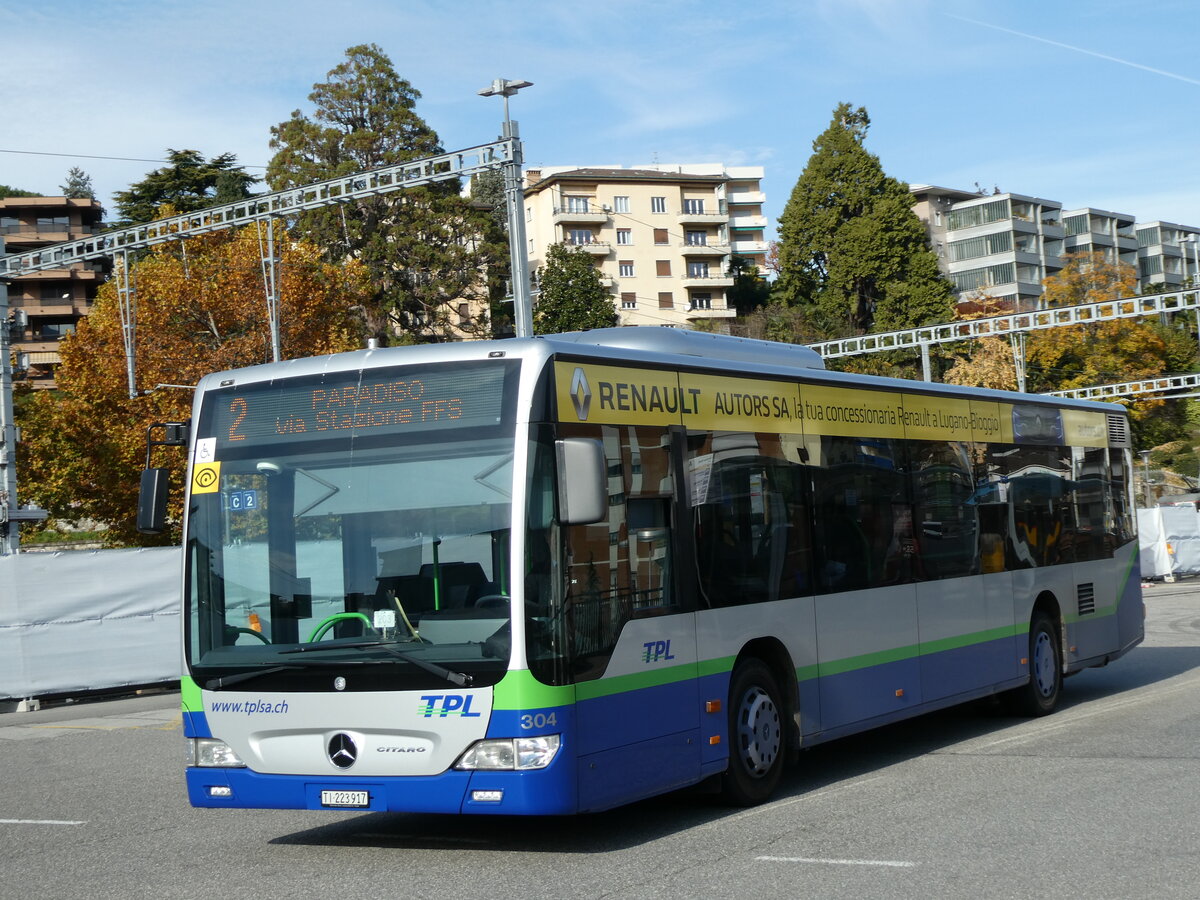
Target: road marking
[
  {"x": 39, "y": 822},
  {"x": 895, "y": 864}
]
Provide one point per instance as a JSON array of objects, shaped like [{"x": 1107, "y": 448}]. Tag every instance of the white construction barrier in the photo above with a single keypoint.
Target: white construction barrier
[
  {"x": 1169, "y": 540},
  {"x": 80, "y": 621}
]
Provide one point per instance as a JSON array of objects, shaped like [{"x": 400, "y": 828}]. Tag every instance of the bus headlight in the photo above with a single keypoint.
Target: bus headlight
[
  {"x": 209, "y": 753},
  {"x": 510, "y": 754}
]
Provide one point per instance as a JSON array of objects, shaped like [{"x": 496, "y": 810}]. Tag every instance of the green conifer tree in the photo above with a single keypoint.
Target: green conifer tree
[
  {"x": 427, "y": 248},
  {"x": 571, "y": 297},
  {"x": 851, "y": 251}
]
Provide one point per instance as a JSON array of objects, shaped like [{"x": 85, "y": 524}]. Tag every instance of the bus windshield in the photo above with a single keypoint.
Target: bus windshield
[{"x": 369, "y": 555}]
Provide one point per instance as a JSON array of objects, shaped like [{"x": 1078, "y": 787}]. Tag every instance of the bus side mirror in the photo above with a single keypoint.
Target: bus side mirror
[
  {"x": 582, "y": 481},
  {"x": 152, "y": 501}
]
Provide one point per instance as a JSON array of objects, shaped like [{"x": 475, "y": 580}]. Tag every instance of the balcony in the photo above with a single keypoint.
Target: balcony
[
  {"x": 705, "y": 216},
  {"x": 712, "y": 250},
  {"x": 584, "y": 213},
  {"x": 748, "y": 221},
  {"x": 747, "y": 247},
  {"x": 707, "y": 282},
  {"x": 596, "y": 248},
  {"x": 739, "y": 198}
]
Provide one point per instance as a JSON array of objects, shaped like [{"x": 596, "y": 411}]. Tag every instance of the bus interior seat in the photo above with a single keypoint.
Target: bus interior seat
[
  {"x": 415, "y": 592},
  {"x": 457, "y": 580}
]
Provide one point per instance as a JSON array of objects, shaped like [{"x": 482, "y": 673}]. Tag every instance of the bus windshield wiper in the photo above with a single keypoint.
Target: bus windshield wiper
[
  {"x": 459, "y": 678},
  {"x": 215, "y": 684}
]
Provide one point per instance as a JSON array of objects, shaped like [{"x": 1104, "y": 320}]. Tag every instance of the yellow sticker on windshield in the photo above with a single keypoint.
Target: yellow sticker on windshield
[{"x": 206, "y": 478}]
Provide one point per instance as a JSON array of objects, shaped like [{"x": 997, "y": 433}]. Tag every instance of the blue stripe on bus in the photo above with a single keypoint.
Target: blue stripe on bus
[{"x": 195, "y": 725}]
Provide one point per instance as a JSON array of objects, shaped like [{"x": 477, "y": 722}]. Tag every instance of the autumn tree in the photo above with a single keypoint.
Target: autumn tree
[
  {"x": 197, "y": 312},
  {"x": 984, "y": 362},
  {"x": 851, "y": 251},
  {"x": 190, "y": 182},
  {"x": 427, "y": 248},
  {"x": 1105, "y": 352},
  {"x": 571, "y": 297}
]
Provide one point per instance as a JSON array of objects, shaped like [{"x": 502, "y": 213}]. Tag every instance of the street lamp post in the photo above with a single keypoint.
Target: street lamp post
[
  {"x": 1145, "y": 455},
  {"x": 513, "y": 195}
]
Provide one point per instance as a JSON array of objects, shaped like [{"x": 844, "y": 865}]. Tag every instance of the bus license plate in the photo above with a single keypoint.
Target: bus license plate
[{"x": 354, "y": 799}]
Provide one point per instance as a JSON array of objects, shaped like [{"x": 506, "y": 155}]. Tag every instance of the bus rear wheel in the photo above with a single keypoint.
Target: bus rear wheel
[
  {"x": 756, "y": 736},
  {"x": 1042, "y": 694}
]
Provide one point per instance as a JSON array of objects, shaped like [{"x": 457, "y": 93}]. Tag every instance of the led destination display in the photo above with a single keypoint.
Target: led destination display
[{"x": 380, "y": 401}]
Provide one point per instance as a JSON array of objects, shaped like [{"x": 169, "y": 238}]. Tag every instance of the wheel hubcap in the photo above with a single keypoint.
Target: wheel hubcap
[
  {"x": 1043, "y": 664},
  {"x": 759, "y": 735}
]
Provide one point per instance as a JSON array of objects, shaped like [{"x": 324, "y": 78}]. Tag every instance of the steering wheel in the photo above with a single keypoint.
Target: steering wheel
[
  {"x": 325, "y": 624},
  {"x": 236, "y": 630},
  {"x": 492, "y": 601}
]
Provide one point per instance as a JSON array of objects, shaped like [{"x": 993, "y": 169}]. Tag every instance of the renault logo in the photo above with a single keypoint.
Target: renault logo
[
  {"x": 342, "y": 750},
  {"x": 581, "y": 394}
]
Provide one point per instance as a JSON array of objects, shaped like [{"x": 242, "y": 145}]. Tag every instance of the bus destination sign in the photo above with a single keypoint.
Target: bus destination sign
[{"x": 354, "y": 404}]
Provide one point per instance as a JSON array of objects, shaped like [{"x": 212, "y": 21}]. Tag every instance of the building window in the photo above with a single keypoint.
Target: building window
[
  {"x": 529, "y": 214},
  {"x": 580, "y": 236},
  {"x": 666, "y": 300},
  {"x": 660, "y": 236},
  {"x": 464, "y": 314},
  {"x": 625, "y": 268},
  {"x": 629, "y": 300},
  {"x": 54, "y": 223},
  {"x": 1076, "y": 224},
  {"x": 982, "y": 214},
  {"x": 693, "y": 207},
  {"x": 1151, "y": 265},
  {"x": 577, "y": 204},
  {"x": 701, "y": 301},
  {"x": 663, "y": 268},
  {"x": 55, "y": 294},
  {"x": 696, "y": 238},
  {"x": 621, "y": 204},
  {"x": 658, "y": 204},
  {"x": 981, "y": 246},
  {"x": 697, "y": 270},
  {"x": 624, "y": 236},
  {"x": 982, "y": 278}
]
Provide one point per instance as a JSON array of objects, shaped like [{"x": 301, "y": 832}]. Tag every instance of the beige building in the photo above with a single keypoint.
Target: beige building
[
  {"x": 662, "y": 236},
  {"x": 53, "y": 301}
]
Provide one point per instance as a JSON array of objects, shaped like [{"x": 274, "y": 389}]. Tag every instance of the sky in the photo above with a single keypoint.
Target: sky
[{"x": 1088, "y": 104}]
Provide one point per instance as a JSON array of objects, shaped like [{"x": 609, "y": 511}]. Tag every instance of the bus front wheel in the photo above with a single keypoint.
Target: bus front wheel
[
  {"x": 1041, "y": 695},
  {"x": 756, "y": 743}
]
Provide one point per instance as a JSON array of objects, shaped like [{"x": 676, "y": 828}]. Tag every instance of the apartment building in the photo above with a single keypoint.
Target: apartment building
[
  {"x": 1001, "y": 244},
  {"x": 1111, "y": 234},
  {"x": 1168, "y": 255},
  {"x": 53, "y": 301},
  {"x": 661, "y": 236}
]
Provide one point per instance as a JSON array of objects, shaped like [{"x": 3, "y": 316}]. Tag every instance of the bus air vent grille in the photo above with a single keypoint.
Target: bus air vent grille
[
  {"x": 1085, "y": 595},
  {"x": 1118, "y": 432}
]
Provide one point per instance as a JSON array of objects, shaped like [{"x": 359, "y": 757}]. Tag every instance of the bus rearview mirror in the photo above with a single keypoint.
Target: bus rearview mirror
[
  {"x": 152, "y": 501},
  {"x": 582, "y": 481}
]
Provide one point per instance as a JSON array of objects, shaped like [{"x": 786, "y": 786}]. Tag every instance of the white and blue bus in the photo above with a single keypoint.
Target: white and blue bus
[{"x": 554, "y": 575}]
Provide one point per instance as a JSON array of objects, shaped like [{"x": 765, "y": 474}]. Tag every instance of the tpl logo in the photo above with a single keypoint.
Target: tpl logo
[
  {"x": 442, "y": 705},
  {"x": 656, "y": 650}
]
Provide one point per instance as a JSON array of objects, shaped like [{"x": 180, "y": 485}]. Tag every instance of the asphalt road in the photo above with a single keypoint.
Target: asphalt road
[{"x": 1100, "y": 800}]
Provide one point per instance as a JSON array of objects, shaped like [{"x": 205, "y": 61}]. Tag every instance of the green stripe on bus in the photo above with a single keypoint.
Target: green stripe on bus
[
  {"x": 189, "y": 695},
  {"x": 518, "y": 689},
  {"x": 619, "y": 684}
]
